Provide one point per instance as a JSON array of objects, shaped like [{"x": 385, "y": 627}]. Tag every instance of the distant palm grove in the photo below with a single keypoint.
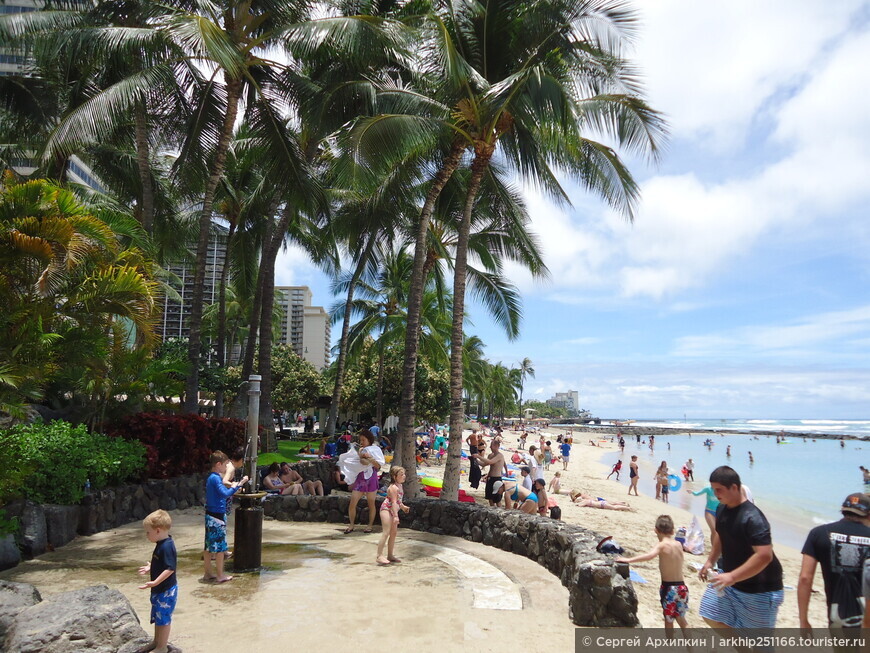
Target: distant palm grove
[{"x": 388, "y": 140}]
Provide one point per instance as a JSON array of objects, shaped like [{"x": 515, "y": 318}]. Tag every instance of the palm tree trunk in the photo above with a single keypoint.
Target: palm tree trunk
[
  {"x": 379, "y": 397},
  {"x": 222, "y": 319},
  {"x": 143, "y": 162},
  {"x": 264, "y": 361},
  {"x": 342, "y": 347},
  {"x": 450, "y": 490},
  {"x": 405, "y": 449},
  {"x": 191, "y": 389}
]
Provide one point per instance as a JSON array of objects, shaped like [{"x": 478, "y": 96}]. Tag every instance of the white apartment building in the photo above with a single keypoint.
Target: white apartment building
[
  {"x": 568, "y": 400},
  {"x": 305, "y": 328}
]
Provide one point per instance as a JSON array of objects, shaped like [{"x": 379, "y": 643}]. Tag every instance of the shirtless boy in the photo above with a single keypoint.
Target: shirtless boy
[
  {"x": 673, "y": 591},
  {"x": 496, "y": 464},
  {"x": 632, "y": 474}
]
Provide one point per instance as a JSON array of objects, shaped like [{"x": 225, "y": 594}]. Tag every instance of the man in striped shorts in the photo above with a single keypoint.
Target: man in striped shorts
[{"x": 748, "y": 592}]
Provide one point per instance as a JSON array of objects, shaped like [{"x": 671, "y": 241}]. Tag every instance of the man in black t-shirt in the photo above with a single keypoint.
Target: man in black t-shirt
[
  {"x": 841, "y": 549},
  {"x": 749, "y": 591}
]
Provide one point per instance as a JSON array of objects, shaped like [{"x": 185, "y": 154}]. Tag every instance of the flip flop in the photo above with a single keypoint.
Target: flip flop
[
  {"x": 396, "y": 560},
  {"x": 367, "y": 530},
  {"x": 384, "y": 564},
  {"x": 348, "y": 531}
]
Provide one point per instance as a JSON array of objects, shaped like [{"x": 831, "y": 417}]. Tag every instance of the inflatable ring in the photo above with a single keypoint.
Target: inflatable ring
[
  {"x": 674, "y": 483},
  {"x": 432, "y": 482}
]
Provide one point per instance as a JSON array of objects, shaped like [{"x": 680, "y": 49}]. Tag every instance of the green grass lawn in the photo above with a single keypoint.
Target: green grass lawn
[{"x": 287, "y": 450}]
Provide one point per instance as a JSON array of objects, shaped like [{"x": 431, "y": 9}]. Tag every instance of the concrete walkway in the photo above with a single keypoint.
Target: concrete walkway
[{"x": 322, "y": 589}]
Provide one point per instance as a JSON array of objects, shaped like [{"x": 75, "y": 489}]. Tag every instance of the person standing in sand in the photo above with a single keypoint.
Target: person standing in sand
[
  {"x": 474, "y": 473},
  {"x": 216, "y": 496},
  {"x": 496, "y": 464},
  {"x": 390, "y": 516},
  {"x": 369, "y": 461},
  {"x": 866, "y": 473},
  {"x": 565, "y": 448},
  {"x": 748, "y": 593},
  {"x": 633, "y": 476},
  {"x": 841, "y": 549},
  {"x": 673, "y": 591},
  {"x": 540, "y": 489}
]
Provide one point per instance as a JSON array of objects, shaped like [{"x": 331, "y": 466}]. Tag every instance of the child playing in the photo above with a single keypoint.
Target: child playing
[
  {"x": 390, "y": 515},
  {"x": 163, "y": 585},
  {"x": 615, "y": 470},
  {"x": 555, "y": 483},
  {"x": 216, "y": 496},
  {"x": 673, "y": 591}
]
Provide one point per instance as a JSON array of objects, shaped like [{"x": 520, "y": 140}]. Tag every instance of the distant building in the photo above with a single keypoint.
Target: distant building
[
  {"x": 174, "y": 323},
  {"x": 570, "y": 401},
  {"x": 305, "y": 328}
]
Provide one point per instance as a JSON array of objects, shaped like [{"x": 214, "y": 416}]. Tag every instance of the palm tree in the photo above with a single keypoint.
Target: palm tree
[
  {"x": 549, "y": 72},
  {"x": 525, "y": 369},
  {"x": 380, "y": 309},
  {"x": 123, "y": 92}
]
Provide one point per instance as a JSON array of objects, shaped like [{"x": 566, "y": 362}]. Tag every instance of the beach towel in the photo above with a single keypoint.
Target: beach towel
[
  {"x": 350, "y": 465},
  {"x": 635, "y": 577}
]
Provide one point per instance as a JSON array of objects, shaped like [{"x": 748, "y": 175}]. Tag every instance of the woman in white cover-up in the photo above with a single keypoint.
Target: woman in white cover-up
[{"x": 363, "y": 467}]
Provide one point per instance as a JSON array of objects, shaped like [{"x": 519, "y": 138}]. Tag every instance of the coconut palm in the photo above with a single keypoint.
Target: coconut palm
[
  {"x": 550, "y": 75},
  {"x": 525, "y": 369},
  {"x": 380, "y": 311}
]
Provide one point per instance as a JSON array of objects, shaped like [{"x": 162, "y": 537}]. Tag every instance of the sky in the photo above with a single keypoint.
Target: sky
[{"x": 740, "y": 290}]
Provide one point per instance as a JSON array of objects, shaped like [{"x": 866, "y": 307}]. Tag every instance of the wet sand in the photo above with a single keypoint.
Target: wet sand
[{"x": 323, "y": 589}]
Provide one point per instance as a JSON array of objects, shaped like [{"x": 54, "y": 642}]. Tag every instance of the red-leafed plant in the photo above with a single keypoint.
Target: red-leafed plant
[{"x": 179, "y": 444}]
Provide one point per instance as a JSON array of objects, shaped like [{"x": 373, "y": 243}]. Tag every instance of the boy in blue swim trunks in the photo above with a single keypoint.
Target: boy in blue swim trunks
[
  {"x": 216, "y": 495},
  {"x": 673, "y": 591},
  {"x": 163, "y": 585}
]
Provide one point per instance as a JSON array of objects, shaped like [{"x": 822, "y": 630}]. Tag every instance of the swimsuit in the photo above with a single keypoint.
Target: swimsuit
[
  {"x": 675, "y": 599},
  {"x": 632, "y": 473},
  {"x": 387, "y": 504}
]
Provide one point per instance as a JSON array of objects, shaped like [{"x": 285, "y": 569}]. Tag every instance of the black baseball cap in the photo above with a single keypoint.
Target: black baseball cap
[{"x": 857, "y": 503}]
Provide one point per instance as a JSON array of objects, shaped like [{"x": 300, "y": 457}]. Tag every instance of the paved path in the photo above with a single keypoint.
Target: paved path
[{"x": 323, "y": 589}]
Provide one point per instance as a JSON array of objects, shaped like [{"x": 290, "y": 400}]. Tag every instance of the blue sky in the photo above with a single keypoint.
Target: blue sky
[{"x": 741, "y": 289}]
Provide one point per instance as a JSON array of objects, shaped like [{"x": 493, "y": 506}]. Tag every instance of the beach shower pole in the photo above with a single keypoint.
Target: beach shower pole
[
  {"x": 248, "y": 540},
  {"x": 253, "y": 430}
]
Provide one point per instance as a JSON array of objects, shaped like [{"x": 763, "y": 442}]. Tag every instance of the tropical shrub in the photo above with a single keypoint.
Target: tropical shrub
[
  {"x": 77, "y": 293},
  {"x": 51, "y": 463},
  {"x": 179, "y": 444}
]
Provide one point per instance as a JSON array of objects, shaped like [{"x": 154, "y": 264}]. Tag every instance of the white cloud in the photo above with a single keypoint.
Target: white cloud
[
  {"x": 712, "y": 65},
  {"x": 790, "y": 339},
  {"x": 692, "y": 226},
  {"x": 579, "y": 341}
]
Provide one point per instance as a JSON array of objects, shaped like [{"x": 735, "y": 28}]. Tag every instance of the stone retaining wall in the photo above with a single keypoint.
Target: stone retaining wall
[
  {"x": 45, "y": 527},
  {"x": 599, "y": 591}
]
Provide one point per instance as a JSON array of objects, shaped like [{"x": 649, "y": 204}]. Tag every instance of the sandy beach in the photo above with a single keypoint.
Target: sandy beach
[{"x": 634, "y": 530}]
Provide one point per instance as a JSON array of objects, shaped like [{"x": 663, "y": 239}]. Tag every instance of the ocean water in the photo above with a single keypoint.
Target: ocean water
[
  {"x": 853, "y": 427},
  {"x": 797, "y": 485}
]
